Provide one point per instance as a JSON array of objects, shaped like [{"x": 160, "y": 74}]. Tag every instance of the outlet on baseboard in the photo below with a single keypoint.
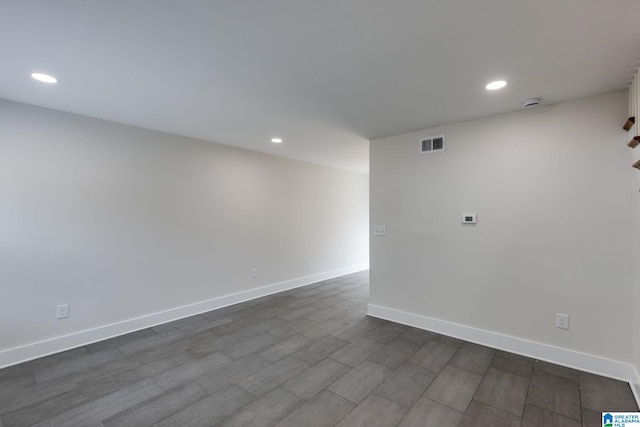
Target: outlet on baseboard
[
  {"x": 562, "y": 321},
  {"x": 309, "y": 264},
  {"x": 63, "y": 311},
  {"x": 254, "y": 273}
]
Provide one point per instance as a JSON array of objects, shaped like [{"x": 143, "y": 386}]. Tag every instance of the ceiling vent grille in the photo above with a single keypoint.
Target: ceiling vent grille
[{"x": 432, "y": 144}]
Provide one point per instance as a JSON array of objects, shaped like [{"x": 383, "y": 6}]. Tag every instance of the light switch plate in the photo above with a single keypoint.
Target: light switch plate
[{"x": 469, "y": 218}]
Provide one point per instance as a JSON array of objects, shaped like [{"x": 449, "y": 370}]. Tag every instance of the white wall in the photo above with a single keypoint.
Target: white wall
[
  {"x": 124, "y": 223},
  {"x": 635, "y": 194},
  {"x": 550, "y": 187}
]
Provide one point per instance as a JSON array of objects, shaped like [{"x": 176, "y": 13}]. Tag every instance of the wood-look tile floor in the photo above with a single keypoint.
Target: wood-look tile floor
[{"x": 305, "y": 357}]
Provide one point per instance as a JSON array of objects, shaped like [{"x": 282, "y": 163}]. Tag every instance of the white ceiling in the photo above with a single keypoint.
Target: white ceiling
[{"x": 325, "y": 75}]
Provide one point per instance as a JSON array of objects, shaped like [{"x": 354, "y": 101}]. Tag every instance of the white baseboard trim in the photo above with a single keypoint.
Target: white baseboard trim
[
  {"x": 14, "y": 356},
  {"x": 561, "y": 356},
  {"x": 635, "y": 385}
]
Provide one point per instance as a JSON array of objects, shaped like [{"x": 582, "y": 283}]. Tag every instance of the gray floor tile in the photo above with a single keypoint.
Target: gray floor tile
[
  {"x": 355, "y": 315},
  {"x": 152, "y": 341},
  {"x": 386, "y": 332},
  {"x": 234, "y": 326},
  {"x": 535, "y": 416},
  {"x": 450, "y": 341},
  {"x": 558, "y": 370},
  {"x": 323, "y": 329},
  {"x": 154, "y": 353},
  {"x": 406, "y": 384},
  {"x": 357, "y": 351},
  {"x": 503, "y": 390},
  {"x": 43, "y": 362},
  {"x": 394, "y": 354},
  {"x": 271, "y": 306},
  {"x": 513, "y": 363},
  {"x": 554, "y": 393},
  {"x": 77, "y": 364},
  {"x": 355, "y": 330},
  {"x": 289, "y": 294},
  {"x": 427, "y": 413},
  {"x": 209, "y": 410},
  {"x": 158, "y": 408},
  {"x": 273, "y": 375},
  {"x": 293, "y": 327},
  {"x": 12, "y": 387},
  {"x": 188, "y": 371},
  {"x": 454, "y": 387},
  {"x": 206, "y": 326},
  {"x": 213, "y": 344},
  {"x": 119, "y": 341},
  {"x": 481, "y": 415},
  {"x": 315, "y": 379},
  {"x": 354, "y": 294},
  {"x": 97, "y": 373},
  {"x": 232, "y": 373},
  {"x": 301, "y": 302},
  {"x": 320, "y": 349},
  {"x": 28, "y": 409},
  {"x": 250, "y": 345},
  {"x": 590, "y": 418},
  {"x": 416, "y": 336},
  {"x": 262, "y": 327},
  {"x": 287, "y": 346},
  {"x": 307, "y": 293},
  {"x": 324, "y": 410},
  {"x": 94, "y": 412},
  {"x": 148, "y": 366},
  {"x": 248, "y": 315},
  {"x": 358, "y": 383},
  {"x": 222, "y": 312},
  {"x": 605, "y": 394},
  {"x": 24, "y": 379},
  {"x": 182, "y": 323},
  {"x": 327, "y": 314},
  {"x": 120, "y": 368},
  {"x": 473, "y": 357},
  {"x": 374, "y": 411},
  {"x": 329, "y": 293},
  {"x": 330, "y": 301},
  {"x": 354, "y": 305},
  {"x": 296, "y": 314},
  {"x": 433, "y": 356},
  {"x": 265, "y": 411}
]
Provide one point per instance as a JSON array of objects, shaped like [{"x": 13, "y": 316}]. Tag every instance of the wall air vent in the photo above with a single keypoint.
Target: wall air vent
[{"x": 432, "y": 144}]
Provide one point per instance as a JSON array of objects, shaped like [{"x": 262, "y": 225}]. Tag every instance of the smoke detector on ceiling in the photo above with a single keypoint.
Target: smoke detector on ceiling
[{"x": 531, "y": 102}]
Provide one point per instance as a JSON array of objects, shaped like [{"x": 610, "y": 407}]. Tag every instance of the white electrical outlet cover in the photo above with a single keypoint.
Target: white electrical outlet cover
[
  {"x": 63, "y": 311},
  {"x": 562, "y": 321},
  {"x": 379, "y": 230}
]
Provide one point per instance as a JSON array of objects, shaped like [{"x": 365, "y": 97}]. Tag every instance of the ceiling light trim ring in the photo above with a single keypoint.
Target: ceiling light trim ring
[{"x": 45, "y": 78}]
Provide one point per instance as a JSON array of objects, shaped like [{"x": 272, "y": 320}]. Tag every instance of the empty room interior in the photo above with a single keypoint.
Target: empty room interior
[{"x": 337, "y": 213}]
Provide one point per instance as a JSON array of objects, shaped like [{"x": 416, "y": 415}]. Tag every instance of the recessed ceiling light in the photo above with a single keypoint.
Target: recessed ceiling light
[
  {"x": 276, "y": 140},
  {"x": 498, "y": 84},
  {"x": 44, "y": 78}
]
